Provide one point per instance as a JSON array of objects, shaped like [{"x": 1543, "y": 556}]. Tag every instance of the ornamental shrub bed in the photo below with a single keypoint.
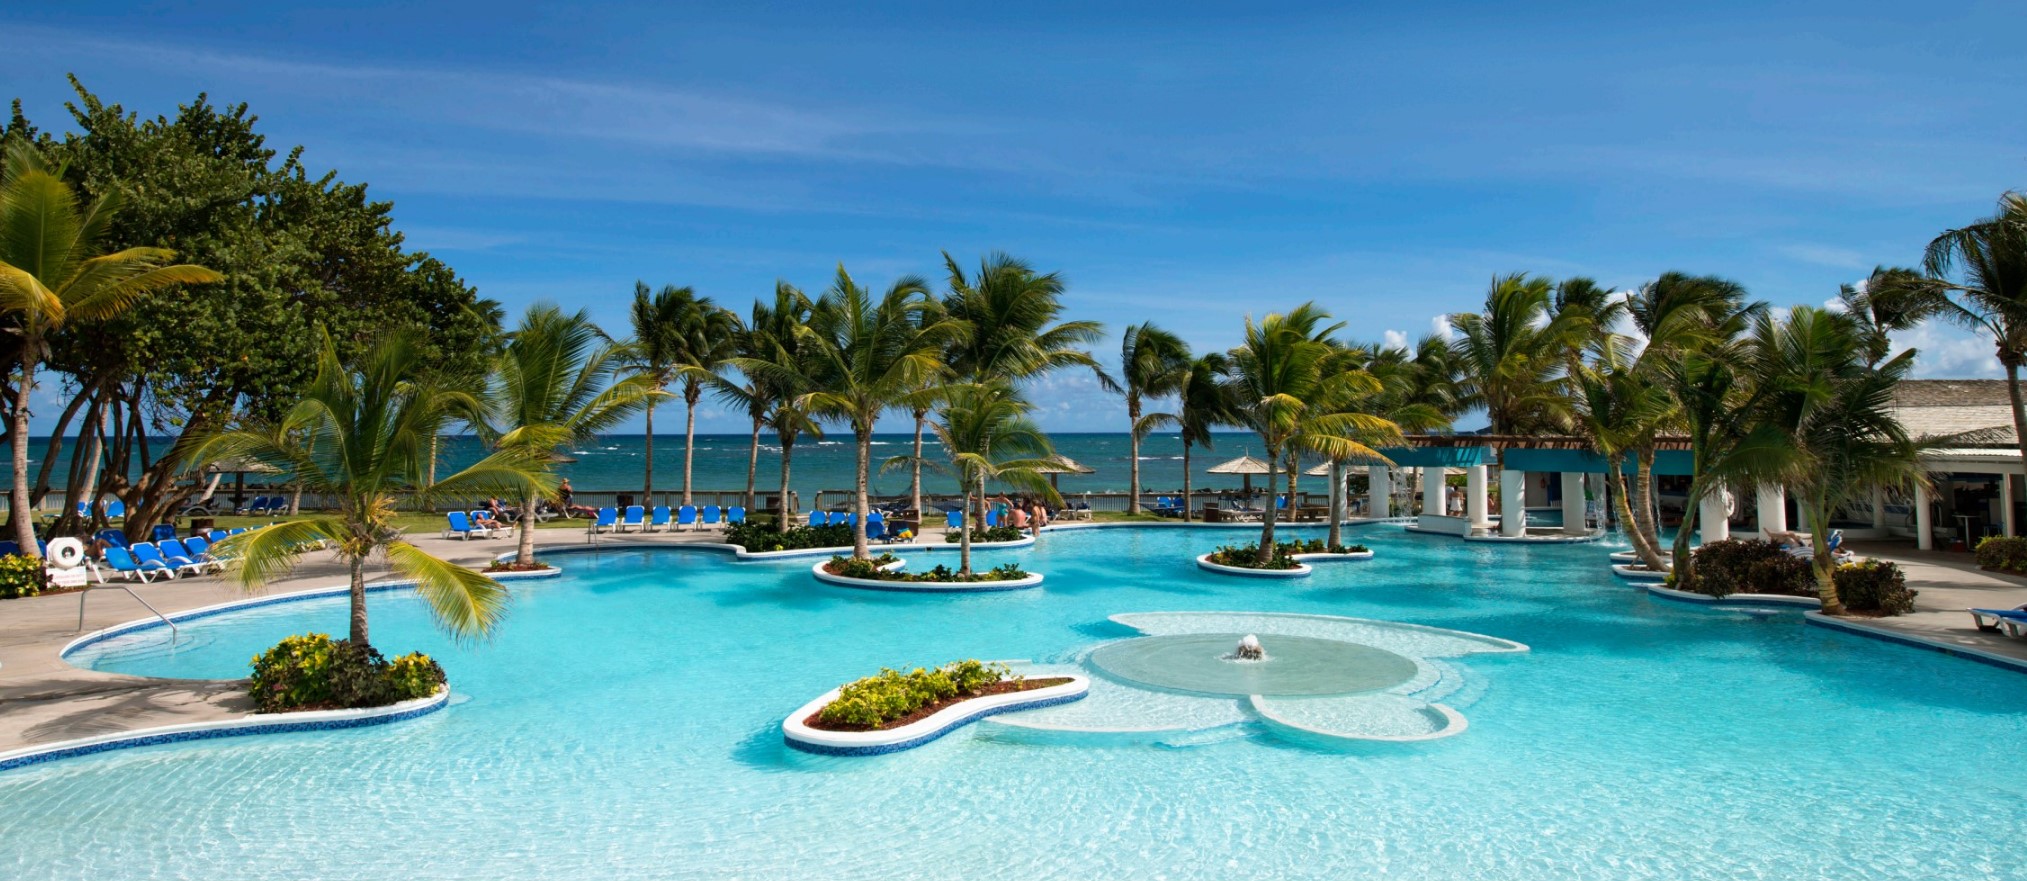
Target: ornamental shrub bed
[
  {"x": 315, "y": 672},
  {"x": 891, "y": 697},
  {"x": 1873, "y": 587},
  {"x": 1317, "y": 546},
  {"x": 20, "y": 576},
  {"x": 1248, "y": 556},
  {"x": 847, "y": 567},
  {"x": 759, "y": 538},
  {"x": 996, "y": 533},
  {"x": 2003, "y": 554}
]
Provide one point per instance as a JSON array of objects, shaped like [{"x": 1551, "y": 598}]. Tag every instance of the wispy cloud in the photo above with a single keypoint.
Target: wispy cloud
[{"x": 1824, "y": 255}]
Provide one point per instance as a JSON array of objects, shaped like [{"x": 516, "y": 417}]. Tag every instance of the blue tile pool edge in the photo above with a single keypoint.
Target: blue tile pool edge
[{"x": 1907, "y": 639}]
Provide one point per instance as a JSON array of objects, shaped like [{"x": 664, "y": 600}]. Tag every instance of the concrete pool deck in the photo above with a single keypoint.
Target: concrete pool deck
[{"x": 46, "y": 700}]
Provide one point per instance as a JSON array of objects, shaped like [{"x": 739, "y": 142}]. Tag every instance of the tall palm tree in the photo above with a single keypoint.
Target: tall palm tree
[
  {"x": 554, "y": 386},
  {"x": 752, "y": 340},
  {"x": 868, "y": 355},
  {"x": 1989, "y": 261},
  {"x": 1891, "y": 299},
  {"x": 1511, "y": 356},
  {"x": 986, "y": 432},
  {"x": 359, "y": 436},
  {"x": 1824, "y": 424},
  {"x": 1203, "y": 403},
  {"x": 1621, "y": 410},
  {"x": 781, "y": 363},
  {"x": 678, "y": 337},
  {"x": 52, "y": 272},
  {"x": 1287, "y": 380},
  {"x": 1153, "y": 363}
]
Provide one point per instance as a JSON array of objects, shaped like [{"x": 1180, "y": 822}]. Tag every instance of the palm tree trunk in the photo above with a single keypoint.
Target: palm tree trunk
[
  {"x": 24, "y": 518},
  {"x": 1336, "y": 504},
  {"x": 1266, "y": 552},
  {"x": 1824, "y": 566},
  {"x": 752, "y": 463},
  {"x": 787, "y": 453},
  {"x": 1643, "y": 503},
  {"x": 1643, "y": 544},
  {"x": 1186, "y": 504},
  {"x": 1685, "y": 562},
  {"x": 691, "y": 393},
  {"x": 358, "y": 636},
  {"x": 964, "y": 534},
  {"x": 524, "y": 552},
  {"x": 648, "y": 482},
  {"x": 1133, "y": 439},
  {"x": 860, "y": 550},
  {"x": 915, "y": 480},
  {"x": 2019, "y": 407},
  {"x": 428, "y": 480}
]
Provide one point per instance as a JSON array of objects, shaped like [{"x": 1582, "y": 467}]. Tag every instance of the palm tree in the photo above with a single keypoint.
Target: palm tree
[
  {"x": 986, "y": 432},
  {"x": 1285, "y": 380},
  {"x": 554, "y": 387},
  {"x": 1153, "y": 363},
  {"x": 1891, "y": 299},
  {"x": 52, "y": 272},
  {"x": 360, "y": 438},
  {"x": 751, "y": 340},
  {"x": 869, "y": 355},
  {"x": 1510, "y": 356},
  {"x": 1991, "y": 289},
  {"x": 780, "y": 363},
  {"x": 1202, "y": 404},
  {"x": 1825, "y": 425},
  {"x": 678, "y": 336},
  {"x": 1621, "y": 411}
]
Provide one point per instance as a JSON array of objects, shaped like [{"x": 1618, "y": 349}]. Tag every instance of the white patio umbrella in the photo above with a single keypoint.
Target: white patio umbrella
[{"x": 1245, "y": 466}]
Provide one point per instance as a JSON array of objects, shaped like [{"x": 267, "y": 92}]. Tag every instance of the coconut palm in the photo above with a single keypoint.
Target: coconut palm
[
  {"x": 52, "y": 273},
  {"x": 1203, "y": 403},
  {"x": 1824, "y": 424},
  {"x": 1988, "y": 260},
  {"x": 1891, "y": 299},
  {"x": 868, "y": 355},
  {"x": 1511, "y": 355},
  {"x": 986, "y": 432},
  {"x": 359, "y": 437},
  {"x": 1153, "y": 363},
  {"x": 679, "y": 337},
  {"x": 1290, "y": 385},
  {"x": 554, "y": 386},
  {"x": 779, "y": 366},
  {"x": 1621, "y": 411}
]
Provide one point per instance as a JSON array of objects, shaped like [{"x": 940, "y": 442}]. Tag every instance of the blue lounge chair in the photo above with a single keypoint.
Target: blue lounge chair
[
  {"x": 686, "y": 515},
  {"x": 202, "y": 549},
  {"x": 712, "y": 514},
  {"x": 608, "y": 520},
  {"x": 2012, "y": 621},
  {"x": 150, "y": 557},
  {"x": 992, "y": 518},
  {"x": 816, "y": 518},
  {"x": 123, "y": 561},
  {"x": 180, "y": 555},
  {"x": 162, "y": 531},
  {"x": 458, "y": 523},
  {"x": 115, "y": 508},
  {"x": 953, "y": 519},
  {"x": 112, "y": 537},
  {"x": 9, "y": 548},
  {"x": 635, "y": 519},
  {"x": 658, "y": 519},
  {"x": 735, "y": 515},
  {"x": 876, "y": 524}
]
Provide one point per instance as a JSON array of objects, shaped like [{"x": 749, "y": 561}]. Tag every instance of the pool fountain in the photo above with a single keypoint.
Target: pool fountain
[{"x": 1249, "y": 650}]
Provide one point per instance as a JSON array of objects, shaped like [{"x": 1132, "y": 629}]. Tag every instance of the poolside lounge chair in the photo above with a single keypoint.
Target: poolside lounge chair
[
  {"x": 992, "y": 518},
  {"x": 180, "y": 555},
  {"x": 608, "y": 520},
  {"x": 9, "y": 548},
  {"x": 458, "y": 523},
  {"x": 953, "y": 519},
  {"x": 876, "y": 524},
  {"x": 634, "y": 519},
  {"x": 201, "y": 548},
  {"x": 152, "y": 557},
  {"x": 115, "y": 508},
  {"x": 686, "y": 516},
  {"x": 658, "y": 519},
  {"x": 735, "y": 515},
  {"x": 123, "y": 561},
  {"x": 816, "y": 518},
  {"x": 712, "y": 514},
  {"x": 2012, "y": 621}
]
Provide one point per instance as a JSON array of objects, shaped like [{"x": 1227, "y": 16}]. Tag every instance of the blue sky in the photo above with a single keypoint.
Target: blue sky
[{"x": 1186, "y": 165}]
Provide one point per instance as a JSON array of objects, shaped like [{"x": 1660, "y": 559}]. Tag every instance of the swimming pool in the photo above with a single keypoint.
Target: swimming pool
[{"x": 625, "y": 724}]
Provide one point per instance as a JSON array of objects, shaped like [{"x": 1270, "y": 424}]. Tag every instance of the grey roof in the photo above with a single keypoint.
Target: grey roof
[{"x": 1935, "y": 407}]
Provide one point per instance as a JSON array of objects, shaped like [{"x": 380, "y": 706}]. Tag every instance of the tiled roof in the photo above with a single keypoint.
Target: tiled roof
[
  {"x": 1937, "y": 407},
  {"x": 1951, "y": 393}
]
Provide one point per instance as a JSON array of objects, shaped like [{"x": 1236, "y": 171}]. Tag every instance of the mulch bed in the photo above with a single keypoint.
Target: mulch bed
[{"x": 1004, "y": 686}]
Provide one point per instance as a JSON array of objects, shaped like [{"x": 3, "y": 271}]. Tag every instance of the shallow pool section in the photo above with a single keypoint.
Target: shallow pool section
[
  {"x": 625, "y": 723},
  {"x": 1200, "y": 663}
]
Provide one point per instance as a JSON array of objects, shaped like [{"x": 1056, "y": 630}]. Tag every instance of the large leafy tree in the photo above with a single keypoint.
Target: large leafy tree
[
  {"x": 554, "y": 384},
  {"x": 359, "y": 436},
  {"x": 1891, "y": 299},
  {"x": 1510, "y": 356},
  {"x": 55, "y": 269},
  {"x": 1153, "y": 363},
  {"x": 869, "y": 354}
]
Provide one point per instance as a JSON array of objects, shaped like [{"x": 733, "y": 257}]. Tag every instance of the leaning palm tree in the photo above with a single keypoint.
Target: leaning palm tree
[
  {"x": 359, "y": 436},
  {"x": 52, "y": 272},
  {"x": 553, "y": 386},
  {"x": 1890, "y": 299},
  {"x": 1202, "y": 404},
  {"x": 751, "y": 340},
  {"x": 1153, "y": 363},
  {"x": 868, "y": 355},
  {"x": 1620, "y": 412},
  {"x": 782, "y": 362},
  {"x": 678, "y": 337},
  {"x": 986, "y": 432},
  {"x": 1988, "y": 260}
]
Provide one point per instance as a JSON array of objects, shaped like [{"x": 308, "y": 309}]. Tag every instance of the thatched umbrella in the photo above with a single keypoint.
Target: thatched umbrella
[
  {"x": 1245, "y": 466},
  {"x": 239, "y": 469},
  {"x": 1060, "y": 465}
]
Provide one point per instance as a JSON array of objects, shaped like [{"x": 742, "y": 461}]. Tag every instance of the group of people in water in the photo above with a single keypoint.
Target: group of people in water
[{"x": 1022, "y": 512}]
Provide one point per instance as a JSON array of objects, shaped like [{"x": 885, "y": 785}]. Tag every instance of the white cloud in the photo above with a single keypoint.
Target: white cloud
[
  {"x": 1945, "y": 352},
  {"x": 1395, "y": 339},
  {"x": 1824, "y": 255},
  {"x": 1440, "y": 326}
]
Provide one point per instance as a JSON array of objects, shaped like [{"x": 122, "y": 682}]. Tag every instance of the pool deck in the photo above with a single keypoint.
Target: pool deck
[{"x": 45, "y": 700}]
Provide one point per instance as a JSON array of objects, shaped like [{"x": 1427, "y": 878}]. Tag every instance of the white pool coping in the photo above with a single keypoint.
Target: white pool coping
[
  {"x": 1736, "y": 599},
  {"x": 886, "y": 740},
  {"x": 1325, "y": 556}
]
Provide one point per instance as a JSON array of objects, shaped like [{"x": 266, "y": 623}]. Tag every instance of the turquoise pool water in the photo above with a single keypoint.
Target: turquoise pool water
[{"x": 624, "y": 724}]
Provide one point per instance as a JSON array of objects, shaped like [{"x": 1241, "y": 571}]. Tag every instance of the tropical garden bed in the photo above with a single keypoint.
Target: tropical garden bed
[
  {"x": 881, "y": 568},
  {"x": 763, "y": 538},
  {"x": 315, "y": 672},
  {"x": 1284, "y": 557},
  {"x": 1874, "y": 588},
  {"x": 986, "y": 536},
  {"x": 891, "y": 698}
]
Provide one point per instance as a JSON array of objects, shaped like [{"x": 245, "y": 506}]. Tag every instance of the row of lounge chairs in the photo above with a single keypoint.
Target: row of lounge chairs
[
  {"x": 165, "y": 557},
  {"x": 638, "y": 518}
]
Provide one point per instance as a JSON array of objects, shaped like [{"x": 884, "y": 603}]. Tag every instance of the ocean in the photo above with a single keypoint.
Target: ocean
[{"x": 615, "y": 462}]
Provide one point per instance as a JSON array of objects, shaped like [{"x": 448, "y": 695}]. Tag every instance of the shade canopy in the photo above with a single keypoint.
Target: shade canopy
[
  {"x": 241, "y": 466},
  {"x": 1065, "y": 465},
  {"x": 1241, "y": 465}
]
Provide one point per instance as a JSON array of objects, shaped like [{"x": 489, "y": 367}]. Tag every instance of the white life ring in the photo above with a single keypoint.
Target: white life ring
[{"x": 66, "y": 553}]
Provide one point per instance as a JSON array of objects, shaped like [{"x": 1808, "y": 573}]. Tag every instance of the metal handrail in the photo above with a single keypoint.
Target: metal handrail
[{"x": 174, "y": 633}]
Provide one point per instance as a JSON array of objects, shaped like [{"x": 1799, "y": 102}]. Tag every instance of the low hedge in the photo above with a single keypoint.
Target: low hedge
[
  {"x": 1874, "y": 587},
  {"x": 21, "y": 576},
  {"x": 1248, "y": 557},
  {"x": 996, "y": 533},
  {"x": 889, "y": 695},
  {"x": 2003, "y": 554},
  {"x": 315, "y": 672},
  {"x": 870, "y": 570},
  {"x": 760, "y": 538}
]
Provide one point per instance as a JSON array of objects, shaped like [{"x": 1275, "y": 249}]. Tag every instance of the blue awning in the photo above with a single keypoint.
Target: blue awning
[
  {"x": 1437, "y": 457},
  {"x": 1667, "y": 463}
]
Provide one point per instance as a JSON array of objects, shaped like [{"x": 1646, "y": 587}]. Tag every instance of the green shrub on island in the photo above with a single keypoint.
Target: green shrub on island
[
  {"x": 869, "y": 570},
  {"x": 890, "y": 695},
  {"x": 1248, "y": 556},
  {"x": 1318, "y": 546},
  {"x": 996, "y": 533},
  {"x": 2003, "y": 554},
  {"x": 20, "y": 576},
  {"x": 1875, "y": 587},
  {"x": 758, "y": 538},
  {"x": 315, "y": 672}
]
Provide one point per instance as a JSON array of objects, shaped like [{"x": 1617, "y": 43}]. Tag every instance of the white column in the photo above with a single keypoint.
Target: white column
[
  {"x": 1512, "y": 502},
  {"x": 1474, "y": 498},
  {"x": 1879, "y": 509},
  {"x": 1773, "y": 504},
  {"x": 2005, "y": 504},
  {"x": 1924, "y": 531},
  {"x": 1573, "y": 503},
  {"x": 1713, "y": 523},
  {"x": 1379, "y": 491},
  {"x": 1432, "y": 492}
]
